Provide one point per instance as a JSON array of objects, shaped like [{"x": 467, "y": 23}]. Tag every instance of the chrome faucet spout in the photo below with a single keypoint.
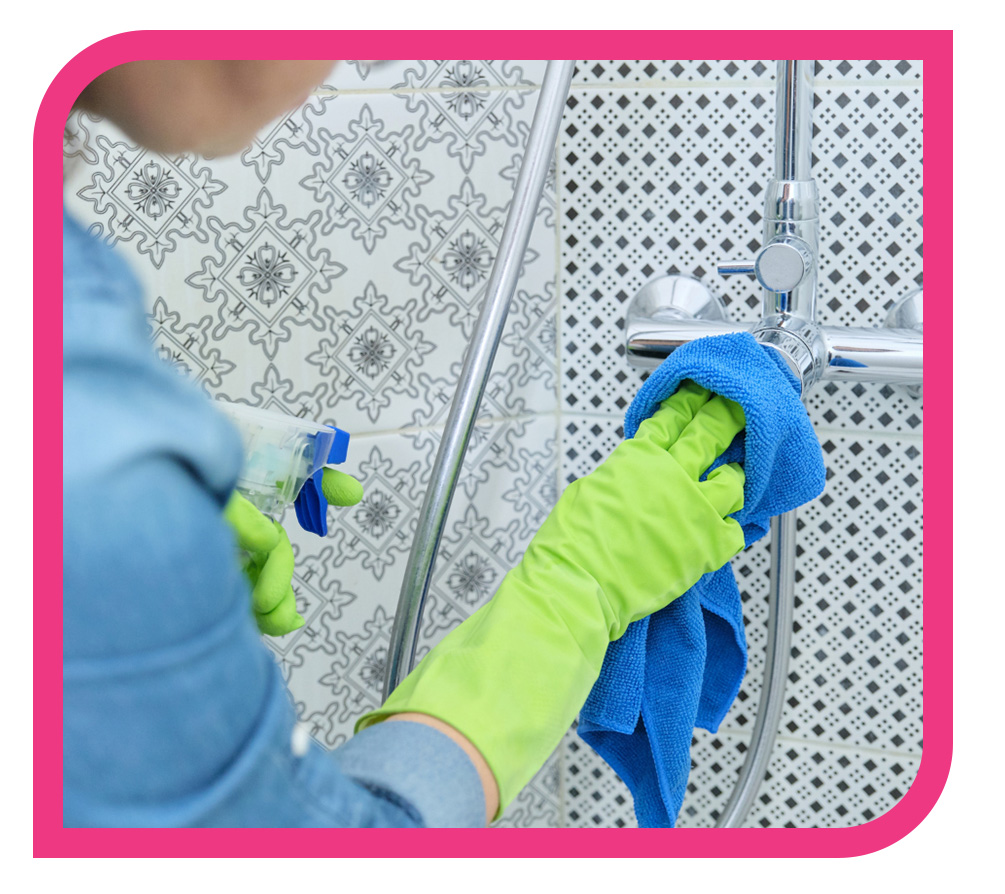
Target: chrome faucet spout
[
  {"x": 793, "y": 119},
  {"x": 786, "y": 265}
]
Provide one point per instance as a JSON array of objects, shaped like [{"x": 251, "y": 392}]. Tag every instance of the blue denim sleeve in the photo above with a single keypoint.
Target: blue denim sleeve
[{"x": 174, "y": 711}]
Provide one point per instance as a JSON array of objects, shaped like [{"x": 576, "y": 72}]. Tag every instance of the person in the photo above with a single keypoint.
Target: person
[{"x": 175, "y": 713}]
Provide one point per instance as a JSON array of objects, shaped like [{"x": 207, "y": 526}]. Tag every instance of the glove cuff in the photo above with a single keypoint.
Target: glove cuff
[{"x": 509, "y": 679}]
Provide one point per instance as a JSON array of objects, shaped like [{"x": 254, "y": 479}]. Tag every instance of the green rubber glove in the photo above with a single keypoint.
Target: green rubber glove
[
  {"x": 268, "y": 564},
  {"x": 268, "y": 555},
  {"x": 620, "y": 544},
  {"x": 339, "y": 488}
]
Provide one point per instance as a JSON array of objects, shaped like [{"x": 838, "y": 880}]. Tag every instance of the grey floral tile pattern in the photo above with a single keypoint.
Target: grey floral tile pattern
[
  {"x": 367, "y": 178},
  {"x": 370, "y": 352},
  {"x": 452, "y": 261},
  {"x": 143, "y": 197},
  {"x": 285, "y": 137},
  {"x": 266, "y": 274},
  {"x": 335, "y": 269},
  {"x": 459, "y": 102},
  {"x": 187, "y": 346}
]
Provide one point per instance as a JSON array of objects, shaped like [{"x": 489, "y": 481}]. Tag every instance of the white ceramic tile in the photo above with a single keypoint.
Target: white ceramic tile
[
  {"x": 330, "y": 264},
  {"x": 872, "y": 71},
  {"x": 539, "y": 804},
  {"x": 684, "y": 71},
  {"x": 452, "y": 77},
  {"x": 629, "y": 71}
]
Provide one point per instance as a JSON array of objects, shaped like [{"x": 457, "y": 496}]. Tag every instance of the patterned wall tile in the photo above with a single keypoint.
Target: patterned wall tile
[
  {"x": 368, "y": 175},
  {"x": 285, "y": 137},
  {"x": 870, "y": 71},
  {"x": 386, "y": 190},
  {"x": 813, "y": 786},
  {"x": 658, "y": 181},
  {"x": 856, "y": 661},
  {"x": 854, "y": 677},
  {"x": 540, "y": 803},
  {"x": 334, "y": 270},
  {"x": 652, "y": 181},
  {"x": 375, "y": 75},
  {"x": 332, "y": 254},
  {"x": 661, "y": 71},
  {"x": 868, "y": 167},
  {"x": 594, "y": 795},
  {"x": 806, "y": 785},
  {"x": 495, "y": 511},
  {"x": 455, "y": 76},
  {"x": 146, "y": 199},
  {"x": 855, "y": 667},
  {"x": 465, "y": 103}
]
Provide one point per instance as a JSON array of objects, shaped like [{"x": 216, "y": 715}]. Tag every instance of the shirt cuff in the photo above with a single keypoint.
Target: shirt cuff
[{"x": 412, "y": 762}]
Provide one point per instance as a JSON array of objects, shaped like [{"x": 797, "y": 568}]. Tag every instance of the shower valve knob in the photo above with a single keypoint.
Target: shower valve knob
[
  {"x": 779, "y": 267},
  {"x": 733, "y": 268}
]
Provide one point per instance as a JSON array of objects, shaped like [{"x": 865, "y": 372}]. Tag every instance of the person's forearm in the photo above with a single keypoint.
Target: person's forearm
[{"x": 513, "y": 675}]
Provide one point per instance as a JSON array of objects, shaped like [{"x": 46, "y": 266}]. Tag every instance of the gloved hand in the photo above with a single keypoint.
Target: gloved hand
[
  {"x": 620, "y": 544},
  {"x": 268, "y": 559}
]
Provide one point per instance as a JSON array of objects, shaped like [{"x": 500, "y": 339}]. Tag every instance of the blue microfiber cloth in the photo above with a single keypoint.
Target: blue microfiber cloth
[{"x": 682, "y": 667}]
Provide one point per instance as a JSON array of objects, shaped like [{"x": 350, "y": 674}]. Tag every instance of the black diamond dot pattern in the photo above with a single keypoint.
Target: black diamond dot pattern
[{"x": 658, "y": 180}]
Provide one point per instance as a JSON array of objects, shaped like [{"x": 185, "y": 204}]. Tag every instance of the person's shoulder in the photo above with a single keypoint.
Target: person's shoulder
[{"x": 92, "y": 269}]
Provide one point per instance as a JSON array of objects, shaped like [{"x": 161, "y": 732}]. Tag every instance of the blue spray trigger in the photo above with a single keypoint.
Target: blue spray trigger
[
  {"x": 310, "y": 505},
  {"x": 340, "y": 447}
]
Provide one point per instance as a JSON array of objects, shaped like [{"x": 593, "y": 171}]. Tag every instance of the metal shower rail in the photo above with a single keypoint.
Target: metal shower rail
[
  {"x": 477, "y": 366},
  {"x": 792, "y": 133}
]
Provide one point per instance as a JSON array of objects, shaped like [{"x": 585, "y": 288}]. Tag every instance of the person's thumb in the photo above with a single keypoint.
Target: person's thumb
[{"x": 339, "y": 488}]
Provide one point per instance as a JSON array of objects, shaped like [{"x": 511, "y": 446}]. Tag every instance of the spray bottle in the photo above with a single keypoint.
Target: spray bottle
[{"x": 283, "y": 461}]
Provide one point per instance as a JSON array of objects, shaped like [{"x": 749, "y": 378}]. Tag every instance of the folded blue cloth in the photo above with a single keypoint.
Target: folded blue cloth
[{"x": 682, "y": 667}]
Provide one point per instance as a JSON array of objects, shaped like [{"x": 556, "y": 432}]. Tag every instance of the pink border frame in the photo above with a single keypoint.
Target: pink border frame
[{"x": 51, "y": 839}]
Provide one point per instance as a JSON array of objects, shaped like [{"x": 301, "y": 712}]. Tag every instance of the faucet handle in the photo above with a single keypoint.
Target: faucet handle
[
  {"x": 779, "y": 267},
  {"x": 729, "y": 268}
]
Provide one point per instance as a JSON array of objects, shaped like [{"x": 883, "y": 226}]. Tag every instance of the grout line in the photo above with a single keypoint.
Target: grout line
[
  {"x": 846, "y": 85},
  {"x": 588, "y": 86},
  {"x": 828, "y": 430},
  {"x": 838, "y": 746},
  {"x": 835, "y": 431},
  {"x": 489, "y": 420},
  {"x": 768, "y": 84},
  {"x": 671, "y": 85},
  {"x": 407, "y": 91}
]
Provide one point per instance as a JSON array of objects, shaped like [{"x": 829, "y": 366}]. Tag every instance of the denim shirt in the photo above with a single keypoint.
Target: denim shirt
[{"x": 174, "y": 711}]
